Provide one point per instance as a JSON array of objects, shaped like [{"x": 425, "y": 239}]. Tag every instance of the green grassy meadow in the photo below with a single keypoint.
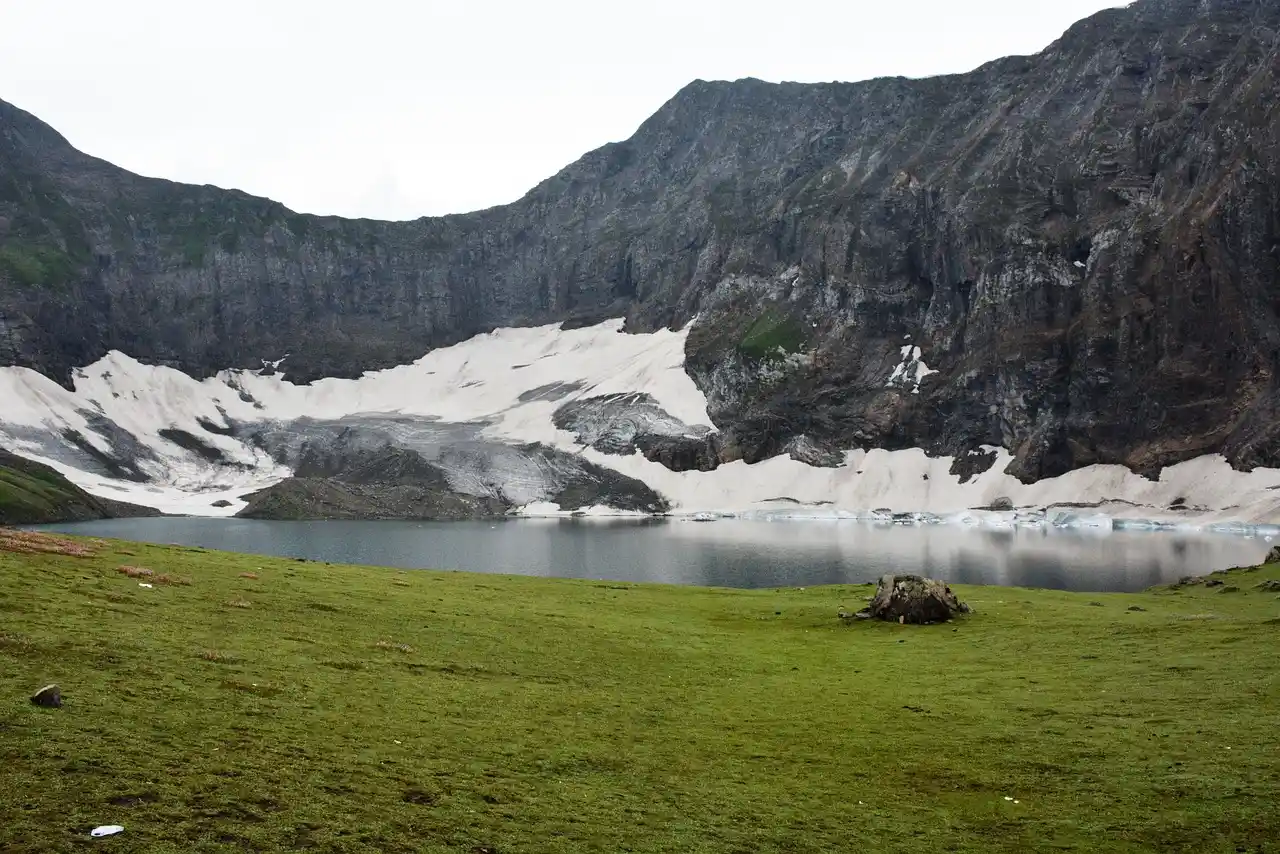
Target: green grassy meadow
[{"x": 339, "y": 708}]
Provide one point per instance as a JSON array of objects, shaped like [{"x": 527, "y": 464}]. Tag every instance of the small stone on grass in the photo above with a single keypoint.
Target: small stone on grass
[{"x": 49, "y": 697}]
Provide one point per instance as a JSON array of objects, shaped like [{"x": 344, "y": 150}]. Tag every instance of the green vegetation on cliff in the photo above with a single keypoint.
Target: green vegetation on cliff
[
  {"x": 772, "y": 334},
  {"x": 31, "y": 264},
  {"x": 267, "y": 704}
]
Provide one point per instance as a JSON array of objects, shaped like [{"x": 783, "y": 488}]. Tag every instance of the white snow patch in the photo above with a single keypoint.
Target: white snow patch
[
  {"x": 482, "y": 380},
  {"x": 551, "y": 510},
  {"x": 540, "y": 509},
  {"x": 909, "y": 481},
  {"x": 478, "y": 380},
  {"x": 910, "y": 371}
]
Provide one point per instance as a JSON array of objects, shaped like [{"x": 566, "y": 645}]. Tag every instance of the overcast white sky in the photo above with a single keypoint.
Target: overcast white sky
[{"x": 397, "y": 109}]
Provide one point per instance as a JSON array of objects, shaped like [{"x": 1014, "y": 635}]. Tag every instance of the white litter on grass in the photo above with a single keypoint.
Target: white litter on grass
[
  {"x": 1007, "y": 798},
  {"x": 144, "y": 584},
  {"x": 106, "y": 830}
]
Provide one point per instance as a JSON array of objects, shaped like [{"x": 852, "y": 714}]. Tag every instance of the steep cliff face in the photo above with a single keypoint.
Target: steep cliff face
[{"x": 1074, "y": 255}]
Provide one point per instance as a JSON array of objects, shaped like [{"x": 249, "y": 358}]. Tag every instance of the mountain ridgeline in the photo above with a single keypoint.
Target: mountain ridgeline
[{"x": 1083, "y": 244}]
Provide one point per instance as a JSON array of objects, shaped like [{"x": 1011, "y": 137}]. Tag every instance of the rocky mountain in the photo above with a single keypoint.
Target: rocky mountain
[
  {"x": 32, "y": 494},
  {"x": 336, "y": 481},
  {"x": 1074, "y": 256}
]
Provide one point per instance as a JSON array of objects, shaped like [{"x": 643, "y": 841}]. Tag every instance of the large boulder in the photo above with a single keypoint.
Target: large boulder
[{"x": 913, "y": 599}]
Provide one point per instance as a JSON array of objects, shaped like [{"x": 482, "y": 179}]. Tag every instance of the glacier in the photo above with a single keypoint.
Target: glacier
[{"x": 152, "y": 435}]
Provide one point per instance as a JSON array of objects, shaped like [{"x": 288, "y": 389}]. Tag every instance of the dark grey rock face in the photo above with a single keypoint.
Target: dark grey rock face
[
  {"x": 345, "y": 479},
  {"x": 1083, "y": 244},
  {"x": 621, "y": 423}
]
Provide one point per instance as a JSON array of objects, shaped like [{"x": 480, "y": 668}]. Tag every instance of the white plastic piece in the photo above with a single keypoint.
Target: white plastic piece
[
  {"x": 106, "y": 830},
  {"x": 145, "y": 584}
]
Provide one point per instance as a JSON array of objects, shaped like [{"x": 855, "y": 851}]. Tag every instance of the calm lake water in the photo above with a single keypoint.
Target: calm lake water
[{"x": 726, "y": 553}]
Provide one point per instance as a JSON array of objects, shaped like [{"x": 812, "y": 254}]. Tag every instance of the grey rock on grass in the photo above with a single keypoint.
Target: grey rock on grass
[
  {"x": 914, "y": 600},
  {"x": 49, "y": 697}
]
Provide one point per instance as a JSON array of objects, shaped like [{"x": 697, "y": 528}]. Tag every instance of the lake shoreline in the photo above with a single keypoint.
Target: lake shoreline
[{"x": 730, "y": 553}]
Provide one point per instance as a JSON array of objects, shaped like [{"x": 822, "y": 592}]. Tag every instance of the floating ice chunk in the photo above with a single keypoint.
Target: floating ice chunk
[
  {"x": 1029, "y": 519},
  {"x": 540, "y": 508}
]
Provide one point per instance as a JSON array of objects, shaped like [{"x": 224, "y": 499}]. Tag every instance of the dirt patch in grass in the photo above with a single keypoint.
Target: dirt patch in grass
[
  {"x": 16, "y": 644},
  {"x": 245, "y": 686},
  {"x": 343, "y": 665},
  {"x": 135, "y": 799},
  {"x": 399, "y": 647},
  {"x": 420, "y": 797},
  {"x": 32, "y": 543},
  {"x": 173, "y": 580}
]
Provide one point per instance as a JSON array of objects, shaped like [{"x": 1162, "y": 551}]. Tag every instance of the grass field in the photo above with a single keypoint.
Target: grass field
[{"x": 335, "y": 708}]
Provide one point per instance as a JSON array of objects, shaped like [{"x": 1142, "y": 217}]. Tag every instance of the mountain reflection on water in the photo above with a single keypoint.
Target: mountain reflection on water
[{"x": 725, "y": 553}]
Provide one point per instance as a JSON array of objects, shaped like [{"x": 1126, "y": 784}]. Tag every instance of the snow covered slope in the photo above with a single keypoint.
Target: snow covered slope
[{"x": 155, "y": 436}]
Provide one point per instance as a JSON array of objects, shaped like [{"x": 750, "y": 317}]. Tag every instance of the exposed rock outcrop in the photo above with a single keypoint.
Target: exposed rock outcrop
[
  {"x": 334, "y": 481},
  {"x": 912, "y": 599}
]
